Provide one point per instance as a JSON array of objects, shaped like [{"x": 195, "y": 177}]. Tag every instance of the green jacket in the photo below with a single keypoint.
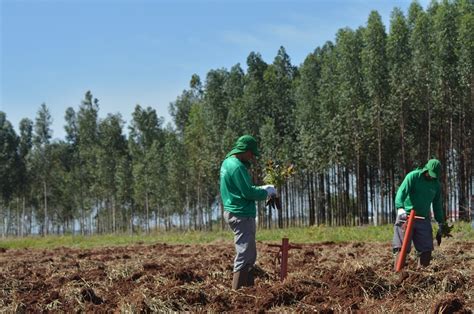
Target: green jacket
[
  {"x": 419, "y": 192},
  {"x": 237, "y": 192}
]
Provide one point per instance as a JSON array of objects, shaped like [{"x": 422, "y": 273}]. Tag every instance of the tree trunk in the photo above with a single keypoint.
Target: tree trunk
[
  {"x": 359, "y": 190},
  {"x": 114, "y": 226},
  {"x": 322, "y": 205},
  {"x": 402, "y": 136},
  {"x": 221, "y": 208},
  {"x": 147, "y": 226},
  {"x": 132, "y": 207},
  {"x": 3, "y": 219},
  {"x": 311, "y": 199},
  {"x": 45, "y": 224},
  {"x": 23, "y": 215},
  {"x": 380, "y": 170},
  {"x": 280, "y": 210},
  {"x": 329, "y": 205},
  {"x": 347, "y": 207},
  {"x": 429, "y": 132}
]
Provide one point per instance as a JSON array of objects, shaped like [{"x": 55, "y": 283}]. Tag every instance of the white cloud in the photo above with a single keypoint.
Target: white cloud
[
  {"x": 289, "y": 32},
  {"x": 240, "y": 38}
]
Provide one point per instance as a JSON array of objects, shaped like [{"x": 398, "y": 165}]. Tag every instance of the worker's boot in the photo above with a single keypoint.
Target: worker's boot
[
  {"x": 424, "y": 259},
  {"x": 251, "y": 277},
  {"x": 240, "y": 278}
]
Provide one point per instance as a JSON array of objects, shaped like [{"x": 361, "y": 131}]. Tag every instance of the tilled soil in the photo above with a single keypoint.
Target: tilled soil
[{"x": 323, "y": 277}]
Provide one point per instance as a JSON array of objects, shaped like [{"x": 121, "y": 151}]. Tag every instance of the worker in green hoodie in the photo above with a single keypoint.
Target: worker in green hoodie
[
  {"x": 419, "y": 191},
  {"x": 238, "y": 197}
]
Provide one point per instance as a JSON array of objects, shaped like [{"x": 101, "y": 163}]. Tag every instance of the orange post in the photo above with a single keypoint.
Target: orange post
[
  {"x": 284, "y": 258},
  {"x": 406, "y": 240},
  {"x": 283, "y": 255}
]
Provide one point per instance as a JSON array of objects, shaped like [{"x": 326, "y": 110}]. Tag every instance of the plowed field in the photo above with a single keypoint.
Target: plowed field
[{"x": 324, "y": 277}]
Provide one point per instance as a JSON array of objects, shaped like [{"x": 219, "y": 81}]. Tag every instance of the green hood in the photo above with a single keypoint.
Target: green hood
[
  {"x": 243, "y": 144},
  {"x": 433, "y": 166}
]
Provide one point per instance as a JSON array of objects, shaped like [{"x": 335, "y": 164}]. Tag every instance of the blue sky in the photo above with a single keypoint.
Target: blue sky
[{"x": 129, "y": 52}]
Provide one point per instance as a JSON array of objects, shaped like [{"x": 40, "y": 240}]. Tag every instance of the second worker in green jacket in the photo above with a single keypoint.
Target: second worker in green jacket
[{"x": 421, "y": 191}]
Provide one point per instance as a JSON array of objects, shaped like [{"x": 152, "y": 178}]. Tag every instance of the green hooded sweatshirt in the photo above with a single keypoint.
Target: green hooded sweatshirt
[
  {"x": 237, "y": 191},
  {"x": 418, "y": 192}
]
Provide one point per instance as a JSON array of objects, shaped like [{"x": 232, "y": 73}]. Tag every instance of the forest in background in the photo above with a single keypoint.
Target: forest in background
[{"x": 353, "y": 119}]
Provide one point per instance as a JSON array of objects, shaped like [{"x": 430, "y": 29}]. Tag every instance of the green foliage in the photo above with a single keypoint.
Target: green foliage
[
  {"x": 354, "y": 118},
  {"x": 276, "y": 174},
  {"x": 8, "y": 158}
]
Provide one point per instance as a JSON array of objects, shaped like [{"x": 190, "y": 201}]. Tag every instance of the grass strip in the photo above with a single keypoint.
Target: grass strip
[{"x": 462, "y": 231}]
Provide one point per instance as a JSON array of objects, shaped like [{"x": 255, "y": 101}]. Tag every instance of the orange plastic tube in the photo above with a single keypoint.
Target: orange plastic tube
[{"x": 406, "y": 240}]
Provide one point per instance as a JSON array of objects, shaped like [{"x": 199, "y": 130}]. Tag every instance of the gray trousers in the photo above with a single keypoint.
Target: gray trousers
[
  {"x": 244, "y": 229},
  {"x": 422, "y": 234}
]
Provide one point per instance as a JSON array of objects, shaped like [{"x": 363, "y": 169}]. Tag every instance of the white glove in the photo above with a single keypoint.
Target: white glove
[
  {"x": 271, "y": 191},
  {"x": 401, "y": 211}
]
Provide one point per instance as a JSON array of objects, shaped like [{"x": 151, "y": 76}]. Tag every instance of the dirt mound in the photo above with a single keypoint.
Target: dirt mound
[
  {"x": 89, "y": 295},
  {"x": 324, "y": 277},
  {"x": 450, "y": 304}
]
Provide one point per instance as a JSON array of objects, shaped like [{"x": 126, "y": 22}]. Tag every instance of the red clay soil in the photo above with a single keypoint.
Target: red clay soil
[{"x": 323, "y": 277}]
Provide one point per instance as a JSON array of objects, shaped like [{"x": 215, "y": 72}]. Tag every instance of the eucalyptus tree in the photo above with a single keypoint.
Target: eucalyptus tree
[
  {"x": 111, "y": 150},
  {"x": 330, "y": 135},
  {"x": 157, "y": 170},
  {"x": 255, "y": 104},
  {"x": 421, "y": 64},
  {"x": 181, "y": 107},
  {"x": 61, "y": 194},
  {"x": 307, "y": 109},
  {"x": 24, "y": 169},
  {"x": 399, "y": 55},
  {"x": 280, "y": 118},
  {"x": 215, "y": 104},
  {"x": 465, "y": 55},
  {"x": 335, "y": 137},
  {"x": 8, "y": 162},
  {"x": 87, "y": 139},
  {"x": 177, "y": 179},
  {"x": 180, "y": 111},
  {"x": 279, "y": 78},
  {"x": 144, "y": 141},
  {"x": 219, "y": 97},
  {"x": 328, "y": 106},
  {"x": 447, "y": 96},
  {"x": 353, "y": 111},
  {"x": 71, "y": 127},
  {"x": 201, "y": 179},
  {"x": 125, "y": 184},
  {"x": 41, "y": 140},
  {"x": 308, "y": 122},
  {"x": 414, "y": 10},
  {"x": 74, "y": 180},
  {"x": 374, "y": 66},
  {"x": 234, "y": 89}
]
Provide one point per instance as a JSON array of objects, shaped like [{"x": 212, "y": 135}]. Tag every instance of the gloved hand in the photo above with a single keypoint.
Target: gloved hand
[
  {"x": 438, "y": 235},
  {"x": 271, "y": 191},
  {"x": 401, "y": 220},
  {"x": 444, "y": 230}
]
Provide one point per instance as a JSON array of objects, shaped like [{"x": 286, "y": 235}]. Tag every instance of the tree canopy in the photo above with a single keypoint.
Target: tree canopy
[{"x": 351, "y": 121}]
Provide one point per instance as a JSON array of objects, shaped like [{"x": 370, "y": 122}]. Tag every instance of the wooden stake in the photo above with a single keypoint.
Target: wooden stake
[
  {"x": 284, "y": 248},
  {"x": 284, "y": 258}
]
